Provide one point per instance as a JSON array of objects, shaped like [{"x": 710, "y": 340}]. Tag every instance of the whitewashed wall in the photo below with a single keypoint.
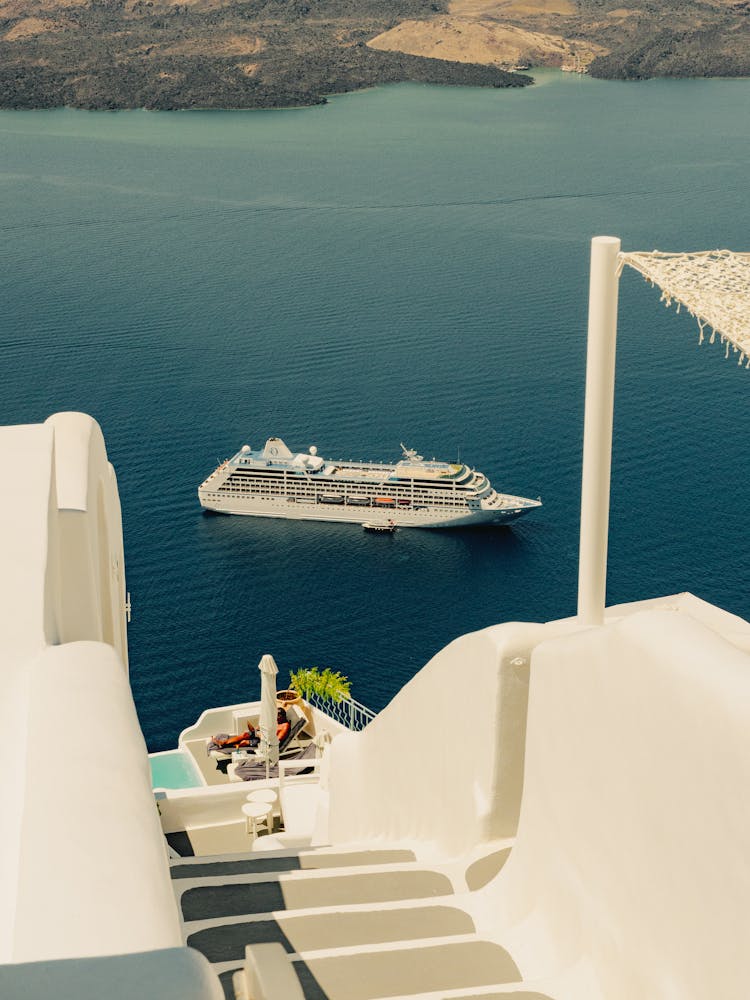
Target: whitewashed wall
[
  {"x": 83, "y": 868},
  {"x": 631, "y": 873},
  {"x": 443, "y": 763},
  {"x": 90, "y": 595}
]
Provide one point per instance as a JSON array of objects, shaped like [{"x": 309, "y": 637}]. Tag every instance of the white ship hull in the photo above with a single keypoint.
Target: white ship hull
[{"x": 402, "y": 518}]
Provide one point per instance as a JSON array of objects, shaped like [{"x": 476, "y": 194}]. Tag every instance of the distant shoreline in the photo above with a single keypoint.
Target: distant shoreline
[{"x": 220, "y": 86}]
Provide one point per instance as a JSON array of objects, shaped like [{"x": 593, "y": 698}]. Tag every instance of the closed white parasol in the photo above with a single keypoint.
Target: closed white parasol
[{"x": 269, "y": 743}]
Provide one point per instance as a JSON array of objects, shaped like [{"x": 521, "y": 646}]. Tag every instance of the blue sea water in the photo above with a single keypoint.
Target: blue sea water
[{"x": 403, "y": 264}]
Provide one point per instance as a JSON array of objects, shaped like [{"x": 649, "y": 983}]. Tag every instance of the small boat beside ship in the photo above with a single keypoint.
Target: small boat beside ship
[{"x": 413, "y": 492}]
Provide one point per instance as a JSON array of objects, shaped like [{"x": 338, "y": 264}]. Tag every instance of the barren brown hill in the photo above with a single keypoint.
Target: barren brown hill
[
  {"x": 271, "y": 53},
  {"x": 605, "y": 38},
  {"x": 208, "y": 53}
]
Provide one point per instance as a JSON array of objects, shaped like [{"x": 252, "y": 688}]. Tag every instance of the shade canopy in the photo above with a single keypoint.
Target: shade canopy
[{"x": 714, "y": 286}]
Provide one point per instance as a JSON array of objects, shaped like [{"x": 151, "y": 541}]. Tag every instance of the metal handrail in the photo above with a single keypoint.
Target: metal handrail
[{"x": 348, "y": 712}]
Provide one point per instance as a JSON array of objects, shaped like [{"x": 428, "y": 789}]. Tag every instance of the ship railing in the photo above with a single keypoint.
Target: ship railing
[{"x": 348, "y": 712}]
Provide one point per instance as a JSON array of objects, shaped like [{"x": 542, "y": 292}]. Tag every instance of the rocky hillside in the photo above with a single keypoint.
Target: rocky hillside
[
  {"x": 273, "y": 53},
  {"x": 714, "y": 42},
  {"x": 209, "y": 53}
]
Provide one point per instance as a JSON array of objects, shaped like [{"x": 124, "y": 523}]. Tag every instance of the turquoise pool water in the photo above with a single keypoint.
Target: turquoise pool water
[{"x": 173, "y": 769}]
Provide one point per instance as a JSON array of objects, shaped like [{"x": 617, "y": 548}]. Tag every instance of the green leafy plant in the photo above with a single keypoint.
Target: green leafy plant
[{"x": 327, "y": 684}]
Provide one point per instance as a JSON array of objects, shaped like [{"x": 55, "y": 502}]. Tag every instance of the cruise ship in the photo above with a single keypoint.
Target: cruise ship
[{"x": 276, "y": 482}]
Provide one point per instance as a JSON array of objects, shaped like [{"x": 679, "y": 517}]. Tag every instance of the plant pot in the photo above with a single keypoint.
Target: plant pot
[{"x": 286, "y": 698}]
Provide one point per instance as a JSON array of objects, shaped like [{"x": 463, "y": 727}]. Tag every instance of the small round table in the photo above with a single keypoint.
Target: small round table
[
  {"x": 262, "y": 795},
  {"x": 256, "y": 813}
]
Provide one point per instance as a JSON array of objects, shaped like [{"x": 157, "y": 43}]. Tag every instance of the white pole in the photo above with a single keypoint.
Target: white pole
[{"x": 597, "y": 430}]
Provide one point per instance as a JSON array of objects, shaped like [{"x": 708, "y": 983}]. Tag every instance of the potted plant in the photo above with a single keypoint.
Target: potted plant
[
  {"x": 286, "y": 698},
  {"x": 327, "y": 684}
]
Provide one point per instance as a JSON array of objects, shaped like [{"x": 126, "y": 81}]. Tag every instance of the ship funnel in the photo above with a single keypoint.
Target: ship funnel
[{"x": 275, "y": 449}]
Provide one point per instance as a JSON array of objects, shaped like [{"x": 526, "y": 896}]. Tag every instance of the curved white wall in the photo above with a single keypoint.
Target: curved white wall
[
  {"x": 629, "y": 876},
  {"x": 174, "y": 974},
  {"x": 83, "y": 867},
  {"x": 90, "y": 595},
  {"x": 92, "y": 871},
  {"x": 443, "y": 763},
  {"x": 631, "y": 864}
]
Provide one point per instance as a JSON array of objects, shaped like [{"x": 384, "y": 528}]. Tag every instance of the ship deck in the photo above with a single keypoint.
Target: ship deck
[{"x": 381, "y": 473}]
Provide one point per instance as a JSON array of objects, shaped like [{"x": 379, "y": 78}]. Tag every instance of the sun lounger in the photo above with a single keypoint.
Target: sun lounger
[{"x": 254, "y": 768}]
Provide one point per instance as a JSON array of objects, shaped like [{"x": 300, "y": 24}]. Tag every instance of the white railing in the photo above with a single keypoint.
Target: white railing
[{"x": 348, "y": 712}]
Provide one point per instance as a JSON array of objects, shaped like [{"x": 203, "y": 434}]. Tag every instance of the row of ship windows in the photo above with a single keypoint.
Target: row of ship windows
[
  {"x": 435, "y": 505},
  {"x": 280, "y": 486},
  {"x": 312, "y": 494},
  {"x": 279, "y": 477},
  {"x": 370, "y": 502}
]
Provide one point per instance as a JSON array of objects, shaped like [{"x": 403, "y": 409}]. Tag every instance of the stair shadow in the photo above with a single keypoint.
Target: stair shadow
[{"x": 238, "y": 900}]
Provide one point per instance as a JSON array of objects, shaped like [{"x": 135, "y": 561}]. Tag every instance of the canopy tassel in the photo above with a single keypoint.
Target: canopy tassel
[{"x": 713, "y": 286}]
